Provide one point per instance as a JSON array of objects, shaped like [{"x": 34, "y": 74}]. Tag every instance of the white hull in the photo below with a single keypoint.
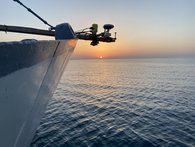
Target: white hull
[{"x": 25, "y": 92}]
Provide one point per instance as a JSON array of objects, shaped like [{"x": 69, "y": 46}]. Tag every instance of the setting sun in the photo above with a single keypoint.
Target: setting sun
[{"x": 101, "y": 57}]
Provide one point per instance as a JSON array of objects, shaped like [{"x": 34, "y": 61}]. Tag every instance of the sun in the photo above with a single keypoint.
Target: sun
[{"x": 101, "y": 57}]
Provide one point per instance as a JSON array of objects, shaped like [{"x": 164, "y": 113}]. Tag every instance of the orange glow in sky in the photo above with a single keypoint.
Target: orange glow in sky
[{"x": 144, "y": 28}]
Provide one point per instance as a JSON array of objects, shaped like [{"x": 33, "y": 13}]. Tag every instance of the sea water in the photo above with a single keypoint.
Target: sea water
[{"x": 118, "y": 103}]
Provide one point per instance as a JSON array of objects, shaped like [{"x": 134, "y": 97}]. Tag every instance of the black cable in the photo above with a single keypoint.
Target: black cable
[{"x": 45, "y": 22}]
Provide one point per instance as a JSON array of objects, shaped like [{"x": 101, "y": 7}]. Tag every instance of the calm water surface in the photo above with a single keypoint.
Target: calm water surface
[{"x": 118, "y": 103}]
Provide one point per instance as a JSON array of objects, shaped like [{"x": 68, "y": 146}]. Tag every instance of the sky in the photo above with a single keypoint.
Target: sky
[{"x": 145, "y": 28}]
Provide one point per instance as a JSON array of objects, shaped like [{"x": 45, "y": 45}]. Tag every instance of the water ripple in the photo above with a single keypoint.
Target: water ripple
[{"x": 123, "y": 103}]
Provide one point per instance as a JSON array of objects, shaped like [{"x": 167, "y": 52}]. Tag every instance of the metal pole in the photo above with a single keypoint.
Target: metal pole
[{"x": 26, "y": 30}]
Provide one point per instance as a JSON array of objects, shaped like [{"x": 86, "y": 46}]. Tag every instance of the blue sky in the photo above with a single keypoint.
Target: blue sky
[{"x": 144, "y": 27}]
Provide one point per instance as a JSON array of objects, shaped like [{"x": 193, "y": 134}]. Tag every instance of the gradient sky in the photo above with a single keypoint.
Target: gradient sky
[{"x": 144, "y": 27}]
